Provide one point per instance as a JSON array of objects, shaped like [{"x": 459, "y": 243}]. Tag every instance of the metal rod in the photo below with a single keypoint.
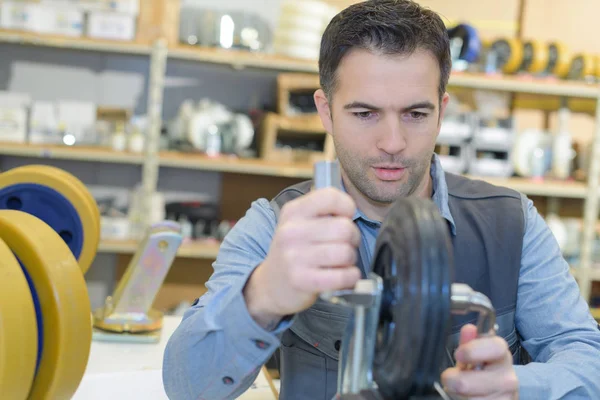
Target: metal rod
[
  {"x": 466, "y": 300},
  {"x": 158, "y": 62},
  {"x": 553, "y": 206},
  {"x": 590, "y": 211},
  {"x": 327, "y": 174},
  {"x": 357, "y": 348}
]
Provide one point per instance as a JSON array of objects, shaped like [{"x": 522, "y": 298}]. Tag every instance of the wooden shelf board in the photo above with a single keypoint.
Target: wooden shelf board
[
  {"x": 563, "y": 189},
  {"x": 196, "y": 249},
  {"x": 74, "y": 43},
  {"x": 80, "y": 153},
  {"x": 546, "y": 187},
  {"x": 239, "y": 59},
  {"x": 234, "y": 165},
  {"x": 595, "y": 274},
  {"x": 525, "y": 85}
]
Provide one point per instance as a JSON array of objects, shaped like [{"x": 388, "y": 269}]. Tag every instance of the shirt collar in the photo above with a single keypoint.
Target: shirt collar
[{"x": 439, "y": 197}]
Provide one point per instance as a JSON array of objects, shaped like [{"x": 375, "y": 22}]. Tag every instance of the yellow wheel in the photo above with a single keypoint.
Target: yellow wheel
[
  {"x": 559, "y": 60},
  {"x": 63, "y": 298},
  {"x": 18, "y": 329},
  {"x": 92, "y": 205},
  {"x": 583, "y": 66},
  {"x": 58, "y": 199},
  {"x": 510, "y": 54},
  {"x": 535, "y": 56}
]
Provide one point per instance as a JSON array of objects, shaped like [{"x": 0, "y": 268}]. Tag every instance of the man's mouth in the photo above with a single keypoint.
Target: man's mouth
[{"x": 389, "y": 172}]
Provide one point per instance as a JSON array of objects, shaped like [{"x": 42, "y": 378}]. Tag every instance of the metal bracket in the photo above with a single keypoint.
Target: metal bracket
[{"x": 129, "y": 308}]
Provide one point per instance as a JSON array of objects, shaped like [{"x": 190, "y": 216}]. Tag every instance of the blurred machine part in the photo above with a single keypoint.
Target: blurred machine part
[
  {"x": 453, "y": 142},
  {"x": 491, "y": 148},
  {"x": 212, "y": 128},
  {"x": 300, "y": 27},
  {"x": 14, "y": 109},
  {"x": 223, "y": 29},
  {"x": 563, "y": 154},
  {"x": 465, "y": 46},
  {"x": 532, "y": 153},
  {"x": 200, "y": 218}
]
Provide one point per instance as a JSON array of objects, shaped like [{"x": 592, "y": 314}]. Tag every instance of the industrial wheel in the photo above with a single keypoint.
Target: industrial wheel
[
  {"x": 413, "y": 255},
  {"x": 63, "y": 306},
  {"x": 60, "y": 200}
]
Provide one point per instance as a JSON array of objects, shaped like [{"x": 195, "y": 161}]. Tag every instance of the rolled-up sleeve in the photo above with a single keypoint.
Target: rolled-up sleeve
[
  {"x": 559, "y": 332},
  {"x": 218, "y": 349}
]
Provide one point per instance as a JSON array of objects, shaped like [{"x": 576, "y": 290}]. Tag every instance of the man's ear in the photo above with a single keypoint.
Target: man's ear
[
  {"x": 443, "y": 105},
  {"x": 324, "y": 110}
]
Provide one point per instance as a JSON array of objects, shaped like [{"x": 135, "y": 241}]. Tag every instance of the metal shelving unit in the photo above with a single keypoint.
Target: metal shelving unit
[
  {"x": 153, "y": 159},
  {"x": 554, "y": 189}
]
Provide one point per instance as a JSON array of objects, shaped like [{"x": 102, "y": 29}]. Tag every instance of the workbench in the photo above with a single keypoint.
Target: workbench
[{"x": 129, "y": 371}]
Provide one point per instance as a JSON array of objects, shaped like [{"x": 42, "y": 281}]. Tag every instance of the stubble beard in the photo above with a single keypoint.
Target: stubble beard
[{"x": 357, "y": 170}]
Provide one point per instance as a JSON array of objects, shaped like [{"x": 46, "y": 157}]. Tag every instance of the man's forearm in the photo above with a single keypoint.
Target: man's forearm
[
  {"x": 218, "y": 349},
  {"x": 257, "y": 302},
  {"x": 570, "y": 374}
]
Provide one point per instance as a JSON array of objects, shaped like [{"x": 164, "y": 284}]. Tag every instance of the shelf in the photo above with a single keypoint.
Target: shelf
[
  {"x": 73, "y": 43},
  {"x": 78, "y": 153},
  {"x": 563, "y": 189},
  {"x": 200, "y": 250},
  {"x": 593, "y": 274},
  {"x": 551, "y": 188},
  {"x": 239, "y": 59},
  {"x": 525, "y": 85},
  {"x": 235, "y": 165}
]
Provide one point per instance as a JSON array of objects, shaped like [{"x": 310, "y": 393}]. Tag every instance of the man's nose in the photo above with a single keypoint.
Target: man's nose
[{"x": 392, "y": 138}]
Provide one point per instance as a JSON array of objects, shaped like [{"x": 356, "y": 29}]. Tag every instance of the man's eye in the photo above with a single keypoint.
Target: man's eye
[
  {"x": 364, "y": 114},
  {"x": 417, "y": 115}
]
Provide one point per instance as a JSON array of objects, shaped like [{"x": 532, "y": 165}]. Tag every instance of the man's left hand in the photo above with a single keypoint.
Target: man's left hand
[{"x": 495, "y": 380}]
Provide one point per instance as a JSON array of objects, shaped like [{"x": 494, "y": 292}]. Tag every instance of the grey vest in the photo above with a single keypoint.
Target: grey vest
[{"x": 487, "y": 256}]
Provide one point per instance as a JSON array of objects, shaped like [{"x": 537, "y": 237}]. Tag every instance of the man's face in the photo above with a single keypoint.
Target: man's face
[{"x": 385, "y": 118}]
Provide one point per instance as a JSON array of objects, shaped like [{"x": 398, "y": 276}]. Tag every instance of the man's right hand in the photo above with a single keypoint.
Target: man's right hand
[{"x": 313, "y": 250}]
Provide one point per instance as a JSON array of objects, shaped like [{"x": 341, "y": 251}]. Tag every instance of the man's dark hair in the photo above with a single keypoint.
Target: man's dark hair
[{"x": 387, "y": 27}]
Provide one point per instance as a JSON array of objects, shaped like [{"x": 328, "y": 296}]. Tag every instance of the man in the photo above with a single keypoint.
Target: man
[{"x": 384, "y": 66}]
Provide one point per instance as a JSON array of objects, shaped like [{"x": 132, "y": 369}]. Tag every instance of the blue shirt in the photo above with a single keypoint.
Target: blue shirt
[{"x": 218, "y": 349}]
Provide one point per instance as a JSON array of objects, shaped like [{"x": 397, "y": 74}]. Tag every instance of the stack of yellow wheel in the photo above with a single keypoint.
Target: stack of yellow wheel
[
  {"x": 47, "y": 243},
  {"x": 535, "y": 56},
  {"x": 559, "y": 60},
  {"x": 510, "y": 54}
]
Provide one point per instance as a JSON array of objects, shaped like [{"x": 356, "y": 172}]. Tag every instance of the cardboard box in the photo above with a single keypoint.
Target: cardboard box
[
  {"x": 51, "y": 20},
  {"x": 14, "y": 15},
  {"x": 111, "y": 26},
  {"x": 131, "y": 7}
]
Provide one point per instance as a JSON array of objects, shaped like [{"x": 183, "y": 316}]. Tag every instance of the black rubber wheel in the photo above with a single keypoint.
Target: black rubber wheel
[{"x": 413, "y": 255}]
